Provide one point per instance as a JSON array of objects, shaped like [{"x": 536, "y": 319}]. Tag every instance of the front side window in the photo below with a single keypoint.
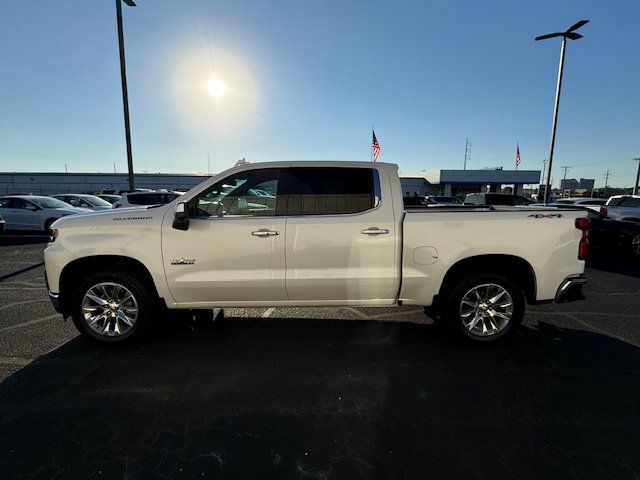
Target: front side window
[
  {"x": 329, "y": 190},
  {"x": 250, "y": 193},
  {"x": 5, "y": 203}
]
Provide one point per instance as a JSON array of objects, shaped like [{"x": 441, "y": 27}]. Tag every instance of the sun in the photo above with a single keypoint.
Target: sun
[{"x": 217, "y": 88}]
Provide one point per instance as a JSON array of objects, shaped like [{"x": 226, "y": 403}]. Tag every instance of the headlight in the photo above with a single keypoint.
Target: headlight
[{"x": 54, "y": 235}]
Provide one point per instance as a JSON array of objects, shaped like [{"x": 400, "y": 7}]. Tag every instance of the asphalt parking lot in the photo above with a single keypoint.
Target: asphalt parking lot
[{"x": 302, "y": 393}]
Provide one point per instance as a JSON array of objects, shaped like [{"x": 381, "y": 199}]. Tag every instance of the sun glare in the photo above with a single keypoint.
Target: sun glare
[{"x": 217, "y": 88}]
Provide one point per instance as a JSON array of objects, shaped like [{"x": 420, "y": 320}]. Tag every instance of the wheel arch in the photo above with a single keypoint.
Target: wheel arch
[
  {"x": 73, "y": 271},
  {"x": 515, "y": 267}
]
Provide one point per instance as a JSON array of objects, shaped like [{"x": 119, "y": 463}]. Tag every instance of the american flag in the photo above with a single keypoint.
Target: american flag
[
  {"x": 518, "y": 159},
  {"x": 375, "y": 146}
]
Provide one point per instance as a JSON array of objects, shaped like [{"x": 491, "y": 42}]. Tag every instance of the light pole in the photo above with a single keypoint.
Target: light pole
[
  {"x": 635, "y": 189},
  {"x": 125, "y": 94},
  {"x": 569, "y": 33}
]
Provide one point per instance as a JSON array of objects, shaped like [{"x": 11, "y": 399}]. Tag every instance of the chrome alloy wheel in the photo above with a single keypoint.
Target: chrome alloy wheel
[
  {"x": 109, "y": 309},
  {"x": 486, "y": 309},
  {"x": 635, "y": 245}
]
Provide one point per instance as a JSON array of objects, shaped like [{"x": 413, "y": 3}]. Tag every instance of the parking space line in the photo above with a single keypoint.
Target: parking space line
[
  {"x": 22, "y": 302},
  {"x": 606, "y": 314},
  {"x": 267, "y": 313},
  {"x": 15, "y": 361},
  {"x": 30, "y": 322}
]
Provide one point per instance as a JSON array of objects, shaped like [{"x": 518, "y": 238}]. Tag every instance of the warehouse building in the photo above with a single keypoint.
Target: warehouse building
[
  {"x": 439, "y": 182},
  {"x": 51, "y": 183},
  {"x": 461, "y": 182}
]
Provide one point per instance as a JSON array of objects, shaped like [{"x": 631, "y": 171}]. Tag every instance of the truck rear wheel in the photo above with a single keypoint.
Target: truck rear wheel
[
  {"x": 484, "y": 307},
  {"x": 112, "y": 306}
]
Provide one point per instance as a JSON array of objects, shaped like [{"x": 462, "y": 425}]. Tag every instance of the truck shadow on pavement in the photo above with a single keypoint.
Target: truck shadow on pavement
[
  {"x": 292, "y": 398},
  {"x": 620, "y": 264}
]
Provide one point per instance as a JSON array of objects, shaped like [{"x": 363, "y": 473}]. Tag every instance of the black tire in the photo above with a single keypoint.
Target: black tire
[
  {"x": 47, "y": 225},
  {"x": 464, "y": 285},
  {"x": 144, "y": 295},
  {"x": 635, "y": 246}
]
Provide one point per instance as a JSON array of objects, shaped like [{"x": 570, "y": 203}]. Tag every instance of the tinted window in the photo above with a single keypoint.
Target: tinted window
[
  {"x": 250, "y": 193},
  {"x": 5, "y": 203},
  {"x": 593, "y": 202},
  {"x": 499, "y": 200},
  {"x": 630, "y": 202},
  {"x": 20, "y": 203},
  {"x": 329, "y": 191},
  {"x": 150, "y": 198}
]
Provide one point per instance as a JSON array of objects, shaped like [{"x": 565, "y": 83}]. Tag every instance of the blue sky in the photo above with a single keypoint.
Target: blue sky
[{"x": 307, "y": 79}]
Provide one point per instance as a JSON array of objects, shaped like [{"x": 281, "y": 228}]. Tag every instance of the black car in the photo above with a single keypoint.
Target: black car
[{"x": 613, "y": 236}]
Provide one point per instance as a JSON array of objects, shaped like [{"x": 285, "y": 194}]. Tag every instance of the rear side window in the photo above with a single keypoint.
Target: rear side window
[
  {"x": 329, "y": 191},
  {"x": 630, "y": 202}
]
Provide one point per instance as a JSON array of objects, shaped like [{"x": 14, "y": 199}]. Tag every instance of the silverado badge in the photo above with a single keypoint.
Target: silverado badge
[{"x": 183, "y": 261}]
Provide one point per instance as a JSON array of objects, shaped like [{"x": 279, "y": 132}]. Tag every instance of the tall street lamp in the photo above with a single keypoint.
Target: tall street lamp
[
  {"x": 125, "y": 95},
  {"x": 570, "y": 34}
]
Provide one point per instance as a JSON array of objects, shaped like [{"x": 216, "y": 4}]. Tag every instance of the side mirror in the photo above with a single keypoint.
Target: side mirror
[{"x": 181, "y": 216}]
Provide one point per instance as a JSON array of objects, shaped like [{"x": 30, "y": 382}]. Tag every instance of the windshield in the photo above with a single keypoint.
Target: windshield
[
  {"x": 49, "y": 202},
  {"x": 96, "y": 201}
]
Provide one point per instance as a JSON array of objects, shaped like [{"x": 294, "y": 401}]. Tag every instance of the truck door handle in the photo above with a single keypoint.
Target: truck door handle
[
  {"x": 264, "y": 232},
  {"x": 374, "y": 231}
]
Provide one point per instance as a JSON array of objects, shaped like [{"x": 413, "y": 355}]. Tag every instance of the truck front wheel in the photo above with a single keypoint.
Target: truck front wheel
[
  {"x": 484, "y": 307},
  {"x": 112, "y": 306}
]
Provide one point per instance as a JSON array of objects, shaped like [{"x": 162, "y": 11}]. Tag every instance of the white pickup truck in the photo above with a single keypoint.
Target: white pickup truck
[{"x": 312, "y": 234}]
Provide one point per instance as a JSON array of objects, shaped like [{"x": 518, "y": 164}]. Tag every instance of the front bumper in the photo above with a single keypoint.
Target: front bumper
[
  {"x": 55, "y": 300},
  {"x": 53, "y": 296},
  {"x": 571, "y": 289}
]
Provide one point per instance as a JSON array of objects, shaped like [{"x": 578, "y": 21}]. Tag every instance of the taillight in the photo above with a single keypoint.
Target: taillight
[
  {"x": 604, "y": 211},
  {"x": 582, "y": 224},
  {"x": 117, "y": 205}
]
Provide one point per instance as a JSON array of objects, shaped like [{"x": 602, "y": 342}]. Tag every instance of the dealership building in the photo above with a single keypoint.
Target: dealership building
[{"x": 461, "y": 182}]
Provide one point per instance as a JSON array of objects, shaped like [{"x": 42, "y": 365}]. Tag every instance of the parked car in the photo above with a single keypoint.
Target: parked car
[
  {"x": 623, "y": 207},
  {"x": 111, "y": 198},
  {"x": 92, "y": 202},
  {"x": 139, "y": 199},
  {"x": 504, "y": 199},
  {"x": 415, "y": 200},
  {"x": 443, "y": 200},
  {"x": 32, "y": 212},
  {"x": 591, "y": 203},
  {"x": 1, "y": 224},
  {"x": 335, "y": 233},
  {"x": 614, "y": 236}
]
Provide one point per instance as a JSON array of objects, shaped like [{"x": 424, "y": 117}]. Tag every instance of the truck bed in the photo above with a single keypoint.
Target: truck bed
[{"x": 436, "y": 238}]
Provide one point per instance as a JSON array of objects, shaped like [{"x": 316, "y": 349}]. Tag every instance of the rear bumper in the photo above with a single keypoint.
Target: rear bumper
[{"x": 571, "y": 289}]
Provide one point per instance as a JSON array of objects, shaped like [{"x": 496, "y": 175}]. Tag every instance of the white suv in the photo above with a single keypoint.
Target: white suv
[{"x": 144, "y": 199}]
